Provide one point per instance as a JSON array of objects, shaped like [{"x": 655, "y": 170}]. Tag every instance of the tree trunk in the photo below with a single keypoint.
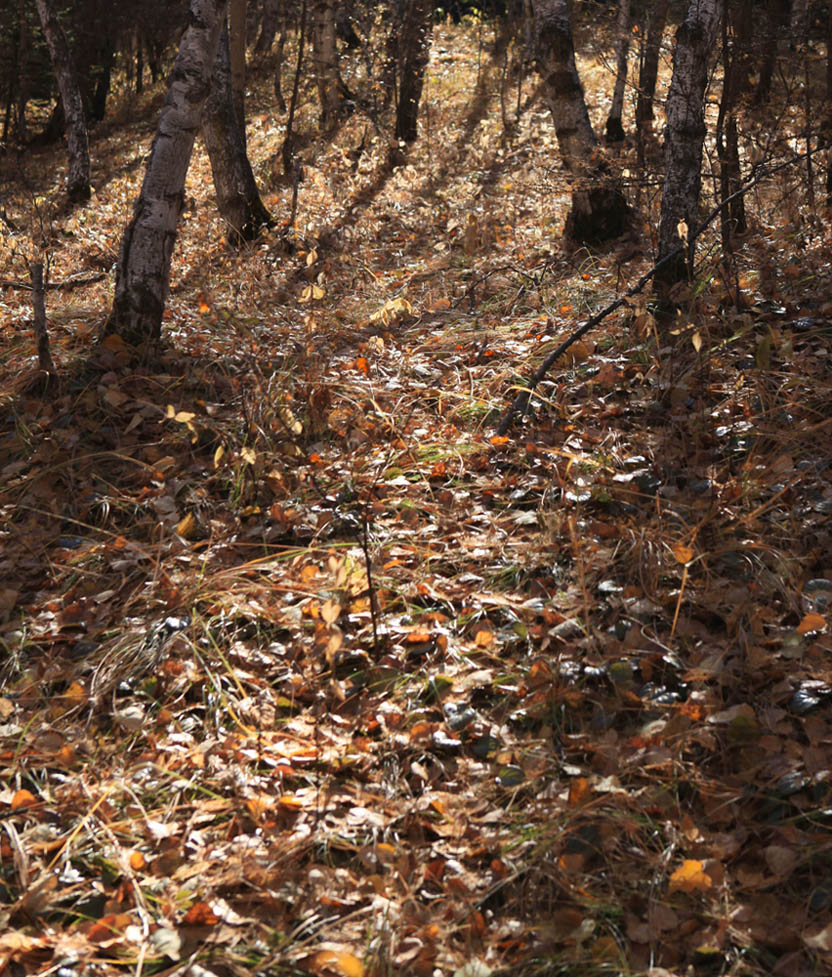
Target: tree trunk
[
  {"x": 143, "y": 272},
  {"x": 278, "y": 65},
  {"x": 735, "y": 41},
  {"x": 237, "y": 38},
  {"x": 78, "y": 179},
  {"x": 615, "y": 130},
  {"x": 238, "y": 199},
  {"x": 650, "y": 65},
  {"x": 799, "y": 22},
  {"x": 101, "y": 79},
  {"x": 268, "y": 26},
  {"x": 685, "y": 134},
  {"x": 413, "y": 52},
  {"x": 22, "y": 72},
  {"x": 599, "y": 210},
  {"x": 777, "y": 17},
  {"x": 325, "y": 54}
]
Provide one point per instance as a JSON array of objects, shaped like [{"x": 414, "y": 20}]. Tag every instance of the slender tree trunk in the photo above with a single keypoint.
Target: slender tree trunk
[
  {"x": 268, "y": 26},
  {"x": 777, "y": 18},
  {"x": 414, "y": 37},
  {"x": 735, "y": 41},
  {"x": 139, "y": 63},
  {"x": 650, "y": 65},
  {"x": 615, "y": 130},
  {"x": 827, "y": 124},
  {"x": 78, "y": 179},
  {"x": 39, "y": 317},
  {"x": 685, "y": 134},
  {"x": 101, "y": 80},
  {"x": 23, "y": 75},
  {"x": 799, "y": 22},
  {"x": 143, "y": 272},
  {"x": 278, "y": 65},
  {"x": 325, "y": 54},
  {"x": 237, "y": 37},
  {"x": 599, "y": 210},
  {"x": 237, "y": 196}
]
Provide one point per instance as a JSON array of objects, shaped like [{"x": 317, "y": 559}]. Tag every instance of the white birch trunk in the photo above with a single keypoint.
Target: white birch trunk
[
  {"x": 685, "y": 133},
  {"x": 599, "y": 211},
  {"x": 77, "y": 141},
  {"x": 143, "y": 275}
]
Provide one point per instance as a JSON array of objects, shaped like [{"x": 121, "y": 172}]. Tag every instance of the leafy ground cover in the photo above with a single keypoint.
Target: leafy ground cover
[{"x": 307, "y": 671}]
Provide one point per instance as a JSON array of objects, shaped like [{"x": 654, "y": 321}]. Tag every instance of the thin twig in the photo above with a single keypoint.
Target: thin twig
[{"x": 521, "y": 401}]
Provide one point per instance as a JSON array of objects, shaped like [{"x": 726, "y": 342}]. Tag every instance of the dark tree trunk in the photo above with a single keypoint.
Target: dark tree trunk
[
  {"x": 78, "y": 179},
  {"x": 278, "y": 65},
  {"x": 614, "y": 131},
  {"x": 101, "y": 78},
  {"x": 685, "y": 136},
  {"x": 412, "y": 55},
  {"x": 599, "y": 210},
  {"x": 325, "y": 54},
  {"x": 139, "y": 63},
  {"x": 238, "y": 199},
  {"x": 734, "y": 45},
  {"x": 268, "y": 26},
  {"x": 22, "y": 73},
  {"x": 776, "y": 20},
  {"x": 650, "y": 65},
  {"x": 143, "y": 272},
  {"x": 237, "y": 40}
]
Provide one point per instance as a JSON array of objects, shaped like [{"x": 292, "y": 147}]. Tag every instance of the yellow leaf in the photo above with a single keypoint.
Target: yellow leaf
[
  {"x": 690, "y": 877},
  {"x": 683, "y": 554},
  {"x": 345, "y": 963},
  {"x": 349, "y": 964},
  {"x": 696, "y": 339},
  {"x": 812, "y": 622},
  {"x": 330, "y": 610},
  {"x": 248, "y": 454},
  {"x": 186, "y": 527},
  {"x": 218, "y": 456},
  {"x": 170, "y": 412}
]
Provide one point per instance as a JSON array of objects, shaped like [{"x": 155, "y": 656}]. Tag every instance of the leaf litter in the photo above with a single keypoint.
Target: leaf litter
[{"x": 306, "y": 671}]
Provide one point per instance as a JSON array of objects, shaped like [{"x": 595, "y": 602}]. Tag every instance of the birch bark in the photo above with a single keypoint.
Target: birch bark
[
  {"x": 599, "y": 210},
  {"x": 143, "y": 271},
  {"x": 78, "y": 178},
  {"x": 685, "y": 134}
]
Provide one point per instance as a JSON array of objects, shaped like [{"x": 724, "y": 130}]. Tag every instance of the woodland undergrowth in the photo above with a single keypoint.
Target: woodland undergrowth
[{"x": 307, "y": 671}]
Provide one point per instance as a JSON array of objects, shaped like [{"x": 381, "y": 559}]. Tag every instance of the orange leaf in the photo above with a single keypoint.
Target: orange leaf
[
  {"x": 23, "y": 799},
  {"x": 200, "y": 914},
  {"x": 498, "y": 440},
  {"x": 812, "y": 622},
  {"x": 483, "y": 638},
  {"x": 579, "y": 792},
  {"x": 343, "y": 962},
  {"x": 137, "y": 861},
  {"x": 362, "y": 365},
  {"x": 690, "y": 877},
  {"x": 683, "y": 554}
]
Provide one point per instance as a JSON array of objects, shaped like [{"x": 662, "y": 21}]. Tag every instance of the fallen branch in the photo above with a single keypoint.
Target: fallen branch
[
  {"x": 521, "y": 401},
  {"x": 66, "y": 284}
]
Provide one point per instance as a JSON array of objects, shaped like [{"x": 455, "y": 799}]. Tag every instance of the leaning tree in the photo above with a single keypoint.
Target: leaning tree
[
  {"x": 599, "y": 209},
  {"x": 143, "y": 270}
]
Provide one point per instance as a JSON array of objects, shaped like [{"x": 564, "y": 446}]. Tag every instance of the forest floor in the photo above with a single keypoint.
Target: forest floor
[{"x": 306, "y": 670}]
